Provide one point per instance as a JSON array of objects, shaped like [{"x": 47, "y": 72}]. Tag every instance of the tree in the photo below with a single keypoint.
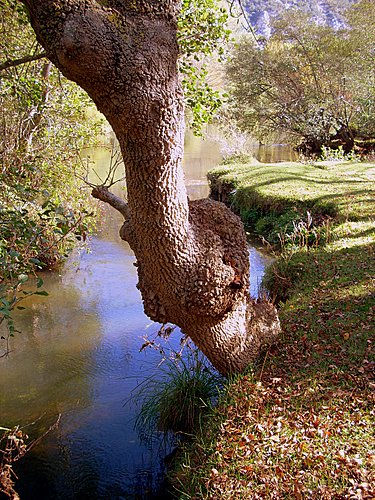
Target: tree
[
  {"x": 360, "y": 21},
  {"x": 307, "y": 80},
  {"x": 192, "y": 258}
]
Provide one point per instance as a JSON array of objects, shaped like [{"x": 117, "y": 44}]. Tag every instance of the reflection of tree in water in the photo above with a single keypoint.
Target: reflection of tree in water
[
  {"x": 73, "y": 356},
  {"x": 46, "y": 372}
]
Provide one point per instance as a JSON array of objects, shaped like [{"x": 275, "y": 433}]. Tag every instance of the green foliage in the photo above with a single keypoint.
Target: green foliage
[
  {"x": 270, "y": 226},
  {"x": 178, "y": 400},
  {"x": 202, "y": 28},
  {"x": 202, "y": 100},
  {"x": 202, "y": 34},
  {"x": 308, "y": 81},
  {"x": 329, "y": 154},
  {"x": 237, "y": 158},
  {"x": 44, "y": 209}
]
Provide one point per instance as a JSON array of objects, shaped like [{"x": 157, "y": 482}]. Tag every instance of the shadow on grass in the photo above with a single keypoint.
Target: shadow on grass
[
  {"x": 330, "y": 192},
  {"x": 363, "y": 234},
  {"x": 330, "y": 314},
  {"x": 331, "y": 204}
]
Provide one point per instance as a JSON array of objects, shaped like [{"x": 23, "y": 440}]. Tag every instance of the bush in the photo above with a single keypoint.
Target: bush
[{"x": 329, "y": 154}]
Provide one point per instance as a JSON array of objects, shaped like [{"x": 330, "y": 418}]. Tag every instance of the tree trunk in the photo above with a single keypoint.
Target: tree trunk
[{"x": 192, "y": 257}]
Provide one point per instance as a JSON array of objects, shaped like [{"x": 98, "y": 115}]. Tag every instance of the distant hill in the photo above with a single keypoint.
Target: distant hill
[{"x": 260, "y": 12}]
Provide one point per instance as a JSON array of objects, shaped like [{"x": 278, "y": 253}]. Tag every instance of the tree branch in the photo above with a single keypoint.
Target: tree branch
[
  {"x": 102, "y": 193},
  {"x": 248, "y": 26},
  {"x": 22, "y": 60}
]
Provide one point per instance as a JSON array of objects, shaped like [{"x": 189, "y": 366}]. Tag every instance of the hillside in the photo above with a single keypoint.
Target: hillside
[{"x": 261, "y": 12}]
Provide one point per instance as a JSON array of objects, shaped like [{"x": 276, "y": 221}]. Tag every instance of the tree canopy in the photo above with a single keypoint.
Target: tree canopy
[{"x": 308, "y": 81}]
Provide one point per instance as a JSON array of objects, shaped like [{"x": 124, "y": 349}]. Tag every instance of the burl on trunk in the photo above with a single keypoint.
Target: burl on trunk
[{"x": 192, "y": 257}]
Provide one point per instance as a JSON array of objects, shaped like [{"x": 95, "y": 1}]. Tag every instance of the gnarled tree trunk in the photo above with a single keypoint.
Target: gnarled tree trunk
[{"x": 192, "y": 257}]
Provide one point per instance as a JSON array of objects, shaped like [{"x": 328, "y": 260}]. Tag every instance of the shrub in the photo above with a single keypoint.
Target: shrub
[{"x": 44, "y": 126}]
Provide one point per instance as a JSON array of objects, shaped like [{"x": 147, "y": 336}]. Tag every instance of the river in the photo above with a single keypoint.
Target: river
[{"x": 78, "y": 356}]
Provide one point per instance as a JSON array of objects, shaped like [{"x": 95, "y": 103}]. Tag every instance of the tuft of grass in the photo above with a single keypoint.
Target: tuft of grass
[
  {"x": 303, "y": 424},
  {"x": 177, "y": 401}
]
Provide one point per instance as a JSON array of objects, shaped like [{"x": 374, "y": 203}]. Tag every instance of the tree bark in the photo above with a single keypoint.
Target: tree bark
[{"x": 192, "y": 257}]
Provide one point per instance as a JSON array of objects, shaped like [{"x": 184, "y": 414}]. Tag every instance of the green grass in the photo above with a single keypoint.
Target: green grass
[
  {"x": 178, "y": 398},
  {"x": 301, "y": 424},
  {"x": 345, "y": 190}
]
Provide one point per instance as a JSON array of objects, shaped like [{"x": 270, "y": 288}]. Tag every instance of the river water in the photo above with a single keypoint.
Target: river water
[{"x": 78, "y": 356}]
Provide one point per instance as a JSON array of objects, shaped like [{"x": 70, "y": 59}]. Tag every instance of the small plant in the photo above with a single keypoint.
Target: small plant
[
  {"x": 330, "y": 154},
  {"x": 14, "y": 444},
  {"x": 280, "y": 276},
  {"x": 178, "y": 399},
  {"x": 288, "y": 230},
  {"x": 270, "y": 226},
  {"x": 305, "y": 234},
  {"x": 13, "y": 448}
]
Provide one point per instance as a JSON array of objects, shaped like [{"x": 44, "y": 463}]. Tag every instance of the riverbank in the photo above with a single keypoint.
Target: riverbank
[{"x": 300, "y": 424}]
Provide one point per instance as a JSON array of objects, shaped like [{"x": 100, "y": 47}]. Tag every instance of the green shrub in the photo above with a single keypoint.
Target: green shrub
[
  {"x": 272, "y": 225},
  {"x": 330, "y": 154},
  {"x": 237, "y": 159},
  {"x": 282, "y": 274}
]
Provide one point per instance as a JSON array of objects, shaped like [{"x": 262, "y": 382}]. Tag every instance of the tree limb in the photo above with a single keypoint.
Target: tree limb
[
  {"x": 248, "y": 26},
  {"x": 102, "y": 193},
  {"x": 22, "y": 60}
]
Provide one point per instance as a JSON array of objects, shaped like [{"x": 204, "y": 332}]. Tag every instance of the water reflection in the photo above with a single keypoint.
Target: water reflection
[
  {"x": 200, "y": 156},
  {"x": 78, "y": 355},
  {"x": 274, "y": 153}
]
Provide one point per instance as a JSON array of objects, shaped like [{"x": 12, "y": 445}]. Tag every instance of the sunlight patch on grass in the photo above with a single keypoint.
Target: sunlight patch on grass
[{"x": 301, "y": 424}]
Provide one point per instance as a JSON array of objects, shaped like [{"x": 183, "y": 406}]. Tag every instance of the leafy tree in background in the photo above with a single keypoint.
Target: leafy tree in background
[
  {"x": 360, "y": 20},
  {"x": 308, "y": 81}
]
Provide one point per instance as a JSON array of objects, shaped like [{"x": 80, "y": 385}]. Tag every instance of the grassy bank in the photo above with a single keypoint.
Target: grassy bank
[{"x": 300, "y": 424}]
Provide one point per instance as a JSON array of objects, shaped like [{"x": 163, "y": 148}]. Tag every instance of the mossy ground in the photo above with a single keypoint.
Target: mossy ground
[{"x": 301, "y": 423}]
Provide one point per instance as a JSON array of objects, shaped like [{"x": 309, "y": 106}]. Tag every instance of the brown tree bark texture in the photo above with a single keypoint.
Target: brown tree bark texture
[{"x": 192, "y": 257}]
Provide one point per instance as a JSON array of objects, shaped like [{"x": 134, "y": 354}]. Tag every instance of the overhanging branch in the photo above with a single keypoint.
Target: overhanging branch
[
  {"x": 22, "y": 60},
  {"x": 102, "y": 193}
]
